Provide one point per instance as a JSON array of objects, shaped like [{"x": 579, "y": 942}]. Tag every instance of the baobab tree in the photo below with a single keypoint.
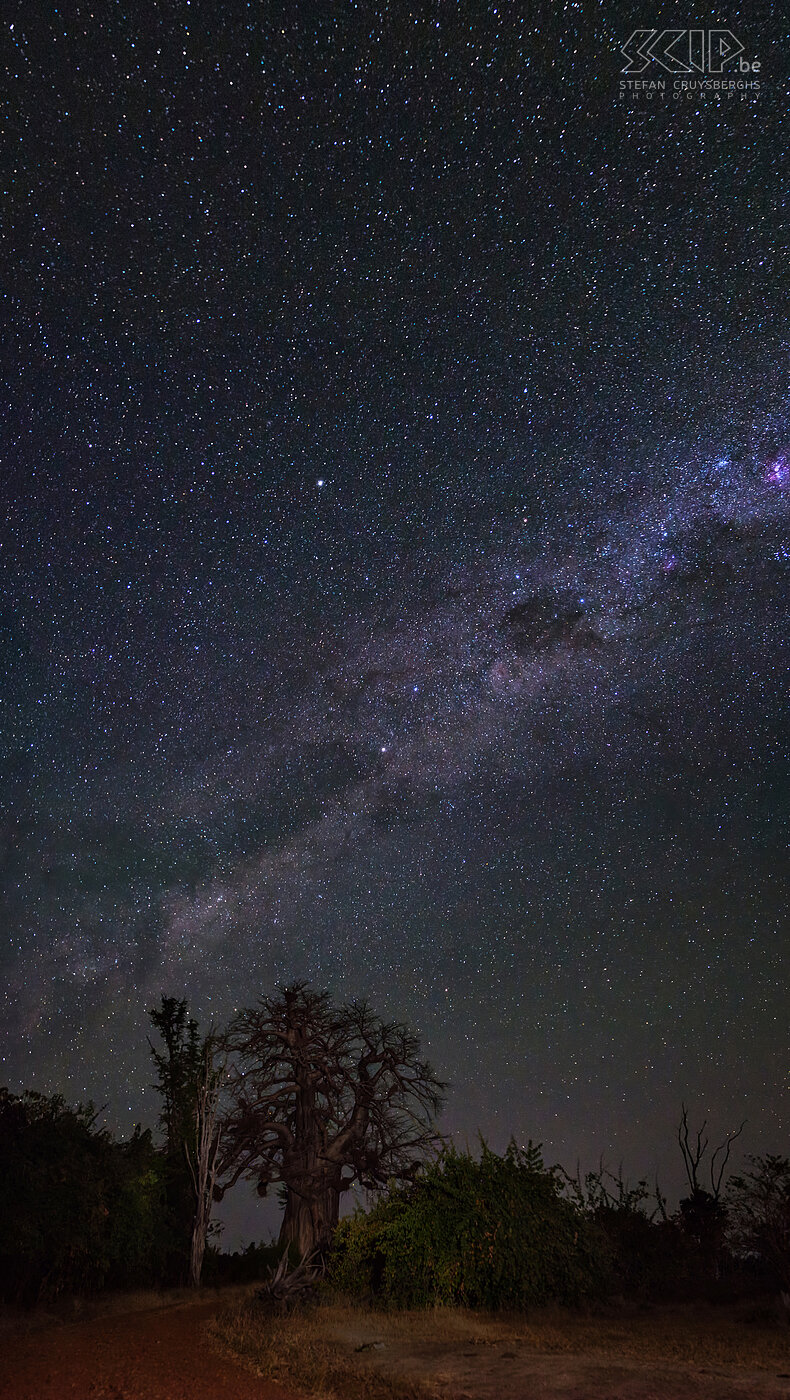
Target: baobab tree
[{"x": 321, "y": 1098}]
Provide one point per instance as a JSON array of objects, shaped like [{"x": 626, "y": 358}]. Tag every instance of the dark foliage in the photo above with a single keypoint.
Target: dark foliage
[
  {"x": 78, "y": 1211},
  {"x": 177, "y": 1069},
  {"x": 493, "y": 1233},
  {"x": 178, "y": 1065},
  {"x": 248, "y": 1265},
  {"x": 759, "y": 1214},
  {"x": 650, "y": 1255}
]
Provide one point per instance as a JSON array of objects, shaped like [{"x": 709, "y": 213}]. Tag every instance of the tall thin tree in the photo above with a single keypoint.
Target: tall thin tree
[
  {"x": 178, "y": 1063},
  {"x": 202, "y": 1153}
]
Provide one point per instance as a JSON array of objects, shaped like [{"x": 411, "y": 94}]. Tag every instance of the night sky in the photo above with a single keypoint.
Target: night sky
[{"x": 395, "y": 552}]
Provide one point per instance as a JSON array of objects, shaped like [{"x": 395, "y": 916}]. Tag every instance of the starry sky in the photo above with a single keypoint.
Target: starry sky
[{"x": 395, "y": 553}]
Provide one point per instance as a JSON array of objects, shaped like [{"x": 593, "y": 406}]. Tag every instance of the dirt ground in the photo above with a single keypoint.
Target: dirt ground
[
  {"x": 513, "y": 1375},
  {"x": 517, "y": 1366},
  {"x": 160, "y": 1354},
  {"x": 167, "y": 1354},
  {"x": 449, "y": 1354}
]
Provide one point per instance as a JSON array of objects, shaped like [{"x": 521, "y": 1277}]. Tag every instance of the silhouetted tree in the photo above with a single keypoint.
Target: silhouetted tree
[
  {"x": 323, "y": 1097},
  {"x": 759, "y": 1203},
  {"x": 78, "y": 1211},
  {"x": 202, "y": 1153},
  {"x": 703, "y": 1213},
  {"x": 178, "y": 1066}
]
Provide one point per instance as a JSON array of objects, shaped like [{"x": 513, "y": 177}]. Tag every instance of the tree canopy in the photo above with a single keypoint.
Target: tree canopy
[
  {"x": 324, "y": 1097},
  {"x": 78, "y": 1211}
]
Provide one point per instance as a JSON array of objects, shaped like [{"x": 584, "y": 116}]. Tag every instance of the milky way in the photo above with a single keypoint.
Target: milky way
[
  {"x": 404, "y": 716},
  {"x": 397, "y": 557}
]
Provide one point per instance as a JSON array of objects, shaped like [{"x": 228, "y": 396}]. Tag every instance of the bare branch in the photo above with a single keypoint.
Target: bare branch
[
  {"x": 692, "y": 1156},
  {"x": 321, "y": 1097},
  {"x": 725, "y": 1147}
]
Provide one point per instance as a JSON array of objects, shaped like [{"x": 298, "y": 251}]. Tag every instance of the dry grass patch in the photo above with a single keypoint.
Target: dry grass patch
[
  {"x": 696, "y": 1334},
  {"x": 337, "y": 1350},
  {"x": 301, "y": 1350}
]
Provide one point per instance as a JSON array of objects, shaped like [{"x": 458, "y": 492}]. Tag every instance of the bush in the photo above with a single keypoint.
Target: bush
[
  {"x": 138, "y": 1228},
  {"x": 77, "y": 1210},
  {"x": 648, "y": 1258},
  {"x": 759, "y": 1205},
  {"x": 493, "y": 1233}
]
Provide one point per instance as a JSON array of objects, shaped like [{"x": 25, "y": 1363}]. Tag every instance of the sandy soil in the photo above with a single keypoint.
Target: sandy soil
[
  {"x": 510, "y": 1376},
  {"x": 164, "y": 1354},
  {"x": 513, "y": 1370},
  {"x": 155, "y": 1355}
]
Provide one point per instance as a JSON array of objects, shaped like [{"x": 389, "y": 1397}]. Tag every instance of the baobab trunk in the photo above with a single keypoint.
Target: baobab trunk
[
  {"x": 312, "y": 1198},
  {"x": 310, "y": 1220}
]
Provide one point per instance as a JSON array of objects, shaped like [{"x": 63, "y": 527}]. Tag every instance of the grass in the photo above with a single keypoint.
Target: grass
[
  {"x": 300, "y": 1350},
  {"x": 317, "y": 1349}
]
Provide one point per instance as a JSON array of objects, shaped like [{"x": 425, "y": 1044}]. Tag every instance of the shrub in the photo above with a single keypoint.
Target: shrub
[
  {"x": 78, "y": 1210},
  {"x": 648, "y": 1258},
  {"x": 759, "y": 1203},
  {"x": 490, "y": 1233}
]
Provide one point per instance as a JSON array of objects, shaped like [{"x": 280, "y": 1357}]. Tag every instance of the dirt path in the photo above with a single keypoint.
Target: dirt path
[
  {"x": 157, "y": 1355},
  {"x": 162, "y": 1354}
]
